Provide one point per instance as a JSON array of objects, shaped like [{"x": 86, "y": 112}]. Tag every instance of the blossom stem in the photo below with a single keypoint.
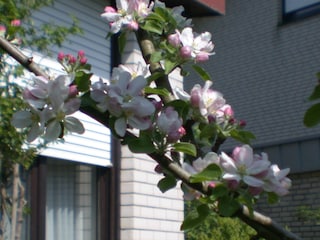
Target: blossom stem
[{"x": 147, "y": 49}]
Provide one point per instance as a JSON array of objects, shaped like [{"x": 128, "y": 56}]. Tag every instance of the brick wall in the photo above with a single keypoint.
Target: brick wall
[
  {"x": 305, "y": 193},
  {"x": 146, "y": 213}
]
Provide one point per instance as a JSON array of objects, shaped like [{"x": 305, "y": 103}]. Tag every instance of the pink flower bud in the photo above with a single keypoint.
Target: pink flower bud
[
  {"x": 16, "y": 22},
  {"x": 228, "y": 111},
  {"x": 158, "y": 169},
  {"x": 80, "y": 53},
  {"x": 212, "y": 184},
  {"x": 182, "y": 131},
  {"x": 109, "y": 9},
  {"x": 72, "y": 59},
  {"x": 174, "y": 40},
  {"x": 83, "y": 60},
  {"x": 133, "y": 25},
  {"x": 73, "y": 91},
  {"x": 185, "y": 52},
  {"x": 242, "y": 123},
  {"x": 202, "y": 57},
  {"x": 3, "y": 29},
  {"x": 60, "y": 56}
]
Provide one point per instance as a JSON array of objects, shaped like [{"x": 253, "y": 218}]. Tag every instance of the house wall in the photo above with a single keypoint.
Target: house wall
[
  {"x": 146, "y": 213},
  {"x": 266, "y": 70}
]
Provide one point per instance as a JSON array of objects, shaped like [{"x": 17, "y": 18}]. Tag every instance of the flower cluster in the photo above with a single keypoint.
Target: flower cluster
[
  {"x": 71, "y": 63},
  {"x": 243, "y": 170},
  {"x": 127, "y": 15},
  {"x": 50, "y": 102},
  {"x": 209, "y": 106},
  {"x": 256, "y": 171},
  {"x": 192, "y": 45},
  {"x": 123, "y": 98}
]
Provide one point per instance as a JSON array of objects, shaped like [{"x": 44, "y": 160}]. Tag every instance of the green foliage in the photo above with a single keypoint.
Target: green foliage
[
  {"x": 214, "y": 227},
  {"x": 211, "y": 172},
  {"x": 308, "y": 214},
  {"x": 186, "y": 148},
  {"x": 312, "y": 115},
  {"x": 167, "y": 183}
]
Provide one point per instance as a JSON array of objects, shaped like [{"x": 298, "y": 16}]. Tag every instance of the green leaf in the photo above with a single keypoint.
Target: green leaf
[
  {"x": 142, "y": 144},
  {"x": 156, "y": 57},
  {"x": 211, "y": 172},
  {"x": 122, "y": 40},
  {"x": 228, "y": 206},
  {"x": 219, "y": 191},
  {"x": 169, "y": 66},
  {"x": 272, "y": 198},
  {"x": 167, "y": 183},
  {"x": 155, "y": 76},
  {"x": 185, "y": 147},
  {"x": 203, "y": 74},
  {"x": 209, "y": 131},
  {"x": 242, "y": 136},
  {"x": 158, "y": 91},
  {"x": 195, "y": 218},
  {"x": 312, "y": 116},
  {"x": 153, "y": 26},
  {"x": 315, "y": 94},
  {"x": 82, "y": 80}
]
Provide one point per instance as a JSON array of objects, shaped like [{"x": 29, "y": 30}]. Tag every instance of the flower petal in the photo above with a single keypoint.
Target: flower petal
[
  {"x": 120, "y": 126},
  {"x": 74, "y": 125}
]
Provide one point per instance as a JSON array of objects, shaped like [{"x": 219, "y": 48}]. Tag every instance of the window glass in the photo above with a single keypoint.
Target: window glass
[
  {"x": 70, "y": 201},
  {"x": 294, "y": 5}
]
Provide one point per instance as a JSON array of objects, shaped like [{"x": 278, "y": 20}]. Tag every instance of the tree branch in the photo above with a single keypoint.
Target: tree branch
[{"x": 264, "y": 225}]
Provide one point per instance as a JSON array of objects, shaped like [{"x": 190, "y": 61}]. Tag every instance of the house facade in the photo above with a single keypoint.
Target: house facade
[{"x": 267, "y": 57}]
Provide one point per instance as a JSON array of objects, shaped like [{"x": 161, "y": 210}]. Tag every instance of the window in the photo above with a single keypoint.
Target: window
[
  {"x": 297, "y": 9},
  {"x": 71, "y": 194},
  {"x": 73, "y": 201}
]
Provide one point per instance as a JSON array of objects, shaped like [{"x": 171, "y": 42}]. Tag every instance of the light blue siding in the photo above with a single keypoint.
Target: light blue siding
[{"x": 94, "y": 146}]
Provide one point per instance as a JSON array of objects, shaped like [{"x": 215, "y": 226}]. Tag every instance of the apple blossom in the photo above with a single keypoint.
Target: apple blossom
[
  {"x": 244, "y": 166},
  {"x": 123, "y": 99},
  {"x": 199, "y": 46},
  {"x": 208, "y": 101},
  {"x": 50, "y": 103},
  {"x": 276, "y": 181},
  {"x": 127, "y": 14},
  {"x": 170, "y": 124}
]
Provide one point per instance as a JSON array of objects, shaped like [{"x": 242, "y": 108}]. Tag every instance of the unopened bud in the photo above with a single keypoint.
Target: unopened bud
[
  {"x": 60, "y": 56},
  {"x": 16, "y": 22},
  {"x": 174, "y": 40},
  {"x": 185, "y": 52},
  {"x": 109, "y": 9},
  {"x": 202, "y": 57}
]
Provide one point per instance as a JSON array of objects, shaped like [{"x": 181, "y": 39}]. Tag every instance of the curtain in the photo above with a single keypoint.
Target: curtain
[{"x": 70, "y": 204}]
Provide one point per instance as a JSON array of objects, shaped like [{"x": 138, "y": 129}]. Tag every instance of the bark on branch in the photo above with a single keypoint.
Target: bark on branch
[{"x": 264, "y": 225}]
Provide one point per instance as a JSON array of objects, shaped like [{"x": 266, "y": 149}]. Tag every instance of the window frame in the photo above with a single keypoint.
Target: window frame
[
  {"x": 108, "y": 201},
  {"x": 299, "y": 13}
]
